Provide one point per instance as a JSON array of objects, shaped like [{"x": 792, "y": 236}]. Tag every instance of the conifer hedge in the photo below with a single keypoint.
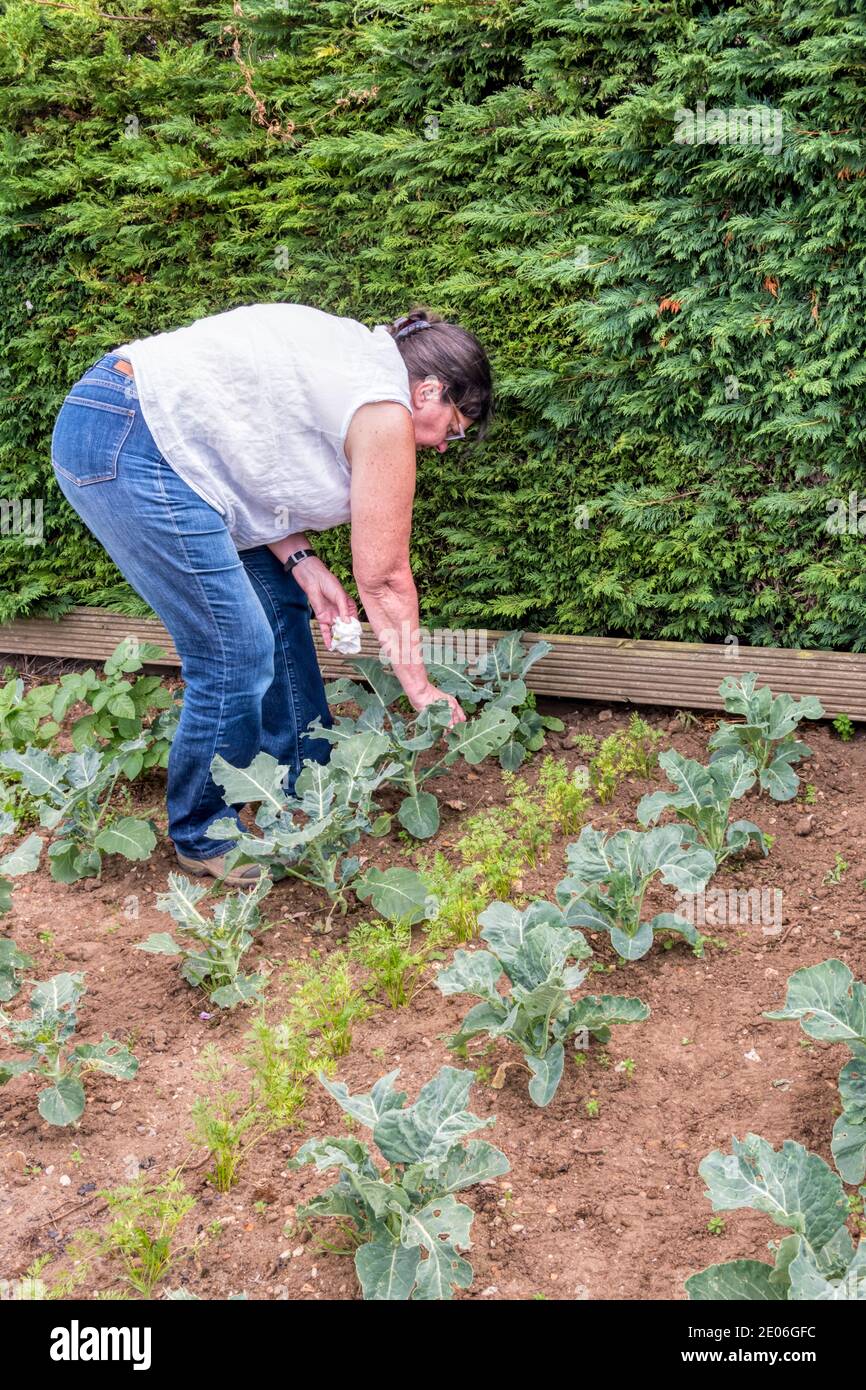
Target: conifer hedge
[{"x": 677, "y": 328}]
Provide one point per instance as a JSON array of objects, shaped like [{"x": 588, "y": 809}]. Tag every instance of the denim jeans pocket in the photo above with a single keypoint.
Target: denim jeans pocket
[{"x": 88, "y": 438}]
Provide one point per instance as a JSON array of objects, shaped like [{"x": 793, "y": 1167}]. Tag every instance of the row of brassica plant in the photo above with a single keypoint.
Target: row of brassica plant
[{"x": 796, "y": 1188}]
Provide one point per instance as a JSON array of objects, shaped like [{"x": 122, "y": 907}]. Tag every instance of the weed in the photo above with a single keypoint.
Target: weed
[
  {"x": 839, "y": 868},
  {"x": 592, "y": 1107},
  {"x": 145, "y": 1219},
  {"x": 225, "y": 1123},
  {"x": 844, "y": 728},
  {"x": 630, "y": 751},
  {"x": 327, "y": 1001},
  {"x": 716, "y": 1226},
  {"x": 385, "y": 950}
]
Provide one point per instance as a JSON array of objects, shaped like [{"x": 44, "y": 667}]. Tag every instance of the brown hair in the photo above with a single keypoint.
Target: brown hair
[{"x": 431, "y": 347}]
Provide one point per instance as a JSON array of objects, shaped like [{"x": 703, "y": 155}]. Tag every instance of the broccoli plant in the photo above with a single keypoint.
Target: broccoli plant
[
  {"x": 533, "y": 949},
  {"x": 12, "y": 963},
  {"x": 399, "y": 761},
  {"x": 703, "y": 800},
  {"x": 22, "y": 860},
  {"x": 74, "y": 792},
  {"x": 767, "y": 733},
  {"x": 335, "y": 805},
  {"x": 797, "y": 1190},
  {"x": 212, "y": 958},
  {"x": 403, "y": 1222},
  {"x": 500, "y": 683},
  {"x": 831, "y": 1006},
  {"x": 45, "y": 1034},
  {"x": 610, "y": 876}
]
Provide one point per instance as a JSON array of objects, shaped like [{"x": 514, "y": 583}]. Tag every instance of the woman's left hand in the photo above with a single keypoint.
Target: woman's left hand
[{"x": 327, "y": 596}]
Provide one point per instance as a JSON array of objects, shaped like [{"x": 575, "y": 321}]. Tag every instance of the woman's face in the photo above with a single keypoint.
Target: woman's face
[{"x": 436, "y": 421}]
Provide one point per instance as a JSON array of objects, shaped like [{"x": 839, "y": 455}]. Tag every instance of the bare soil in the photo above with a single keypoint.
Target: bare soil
[{"x": 609, "y": 1207}]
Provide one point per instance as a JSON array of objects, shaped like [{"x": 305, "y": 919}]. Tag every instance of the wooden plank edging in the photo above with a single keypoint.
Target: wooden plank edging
[{"x": 610, "y": 669}]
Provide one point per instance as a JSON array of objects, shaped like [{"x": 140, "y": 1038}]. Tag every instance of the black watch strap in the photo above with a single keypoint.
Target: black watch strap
[{"x": 295, "y": 559}]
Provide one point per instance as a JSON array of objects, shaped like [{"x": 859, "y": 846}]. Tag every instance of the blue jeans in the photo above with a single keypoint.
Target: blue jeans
[{"x": 240, "y": 625}]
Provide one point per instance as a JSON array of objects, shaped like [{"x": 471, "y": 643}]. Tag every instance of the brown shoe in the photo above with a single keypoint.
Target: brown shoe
[{"x": 245, "y": 874}]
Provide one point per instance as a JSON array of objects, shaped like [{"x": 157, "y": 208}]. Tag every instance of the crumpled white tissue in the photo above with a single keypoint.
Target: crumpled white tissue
[{"x": 346, "y": 636}]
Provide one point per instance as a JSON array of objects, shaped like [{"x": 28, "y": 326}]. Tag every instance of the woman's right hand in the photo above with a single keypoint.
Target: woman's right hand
[{"x": 430, "y": 695}]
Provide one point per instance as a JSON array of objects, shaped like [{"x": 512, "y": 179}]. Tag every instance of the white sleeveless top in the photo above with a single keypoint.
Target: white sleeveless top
[{"x": 251, "y": 408}]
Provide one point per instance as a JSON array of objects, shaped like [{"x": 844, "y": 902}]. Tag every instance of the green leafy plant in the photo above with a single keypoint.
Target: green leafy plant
[
  {"x": 281, "y": 1057},
  {"x": 840, "y": 867},
  {"x": 212, "y": 958},
  {"x": 609, "y": 876},
  {"x": 500, "y": 683},
  {"x": 145, "y": 1218},
  {"x": 130, "y": 719},
  {"x": 533, "y": 949},
  {"x": 31, "y": 1287},
  {"x": 403, "y": 1223},
  {"x": 335, "y": 807},
  {"x": 831, "y": 1007},
  {"x": 45, "y": 1034},
  {"x": 797, "y": 1190},
  {"x": 12, "y": 964},
  {"x": 326, "y": 1002},
  {"x": 844, "y": 727},
  {"x": 703, "y": 800},
  {"x": 767, "y": 733},
  {"x": 74, "y": 792},
  {"x": 400, "y": 744},
  {"x": 24, "y": 859},
  {"x": 454, "y": 902},
  {"x": 564, "y": 794},
  {"x": 384, "y": 949},
  {"x": 25, "y": 717},
  {"x": 628, "y": 752},
  {"x": 227, "y": 1122}
]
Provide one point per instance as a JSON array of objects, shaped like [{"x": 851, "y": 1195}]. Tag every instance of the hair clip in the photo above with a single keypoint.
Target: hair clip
[{"x": 411, "y": 328}]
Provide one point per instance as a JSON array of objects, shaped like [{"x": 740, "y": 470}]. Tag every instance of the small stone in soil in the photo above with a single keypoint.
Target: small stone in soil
[{"x": 604, "y": 715}]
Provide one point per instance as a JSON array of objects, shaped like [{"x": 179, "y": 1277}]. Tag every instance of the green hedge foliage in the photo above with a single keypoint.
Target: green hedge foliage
[{"x": 677, "y": 329}]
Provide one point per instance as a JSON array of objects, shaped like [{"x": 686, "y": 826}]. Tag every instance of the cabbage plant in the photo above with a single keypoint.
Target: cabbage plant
[
  {"x": 404, "y": 1220},
  {"x": 767, "y": 732},
  {"x": 831, "y": 1006},
  {"x": 307, "y": 835},
  {"x": 24, "y": 859},
  {"x": 217, "y": 943},
  {"x": 533, "y": 949},
  {"x": 703, "y": 800},
  {"x": 45, "y": 1035},
  {"x": 609, "y": 877},
  {"x": 403, "y": 743},
  {"x": 500, "y": 683},
  {"x": 798, "y": 1191},
  {"x": 74, "y": 793},
  {"x": 13, "y": 962}
]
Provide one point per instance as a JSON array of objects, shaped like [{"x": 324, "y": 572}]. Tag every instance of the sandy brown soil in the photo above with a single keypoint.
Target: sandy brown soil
[{"x": 594, "y": 1208}]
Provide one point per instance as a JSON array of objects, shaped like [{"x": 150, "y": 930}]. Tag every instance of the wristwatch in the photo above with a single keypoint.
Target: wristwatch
[{"x": 295, "y": 559}]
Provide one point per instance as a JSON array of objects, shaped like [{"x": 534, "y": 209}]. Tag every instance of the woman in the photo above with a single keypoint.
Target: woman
[{"x": 200, "y": 458}]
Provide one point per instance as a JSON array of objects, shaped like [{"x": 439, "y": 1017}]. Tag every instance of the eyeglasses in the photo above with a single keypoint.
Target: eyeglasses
[{"x": 453, "y": 434}]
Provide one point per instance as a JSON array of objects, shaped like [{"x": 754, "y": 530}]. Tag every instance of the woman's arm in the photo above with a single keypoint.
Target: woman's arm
[
  {"x": 288, "y": 545},
  {"x": 380, "y": 446}
]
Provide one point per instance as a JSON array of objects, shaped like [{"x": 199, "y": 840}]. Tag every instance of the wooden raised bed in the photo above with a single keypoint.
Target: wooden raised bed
[{"x": 683, "y": 675}]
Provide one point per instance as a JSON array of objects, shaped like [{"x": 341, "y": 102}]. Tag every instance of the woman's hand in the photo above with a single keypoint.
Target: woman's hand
[
  {"x": 429, "y": 696},
  {"x": 327, "y": 596}
]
